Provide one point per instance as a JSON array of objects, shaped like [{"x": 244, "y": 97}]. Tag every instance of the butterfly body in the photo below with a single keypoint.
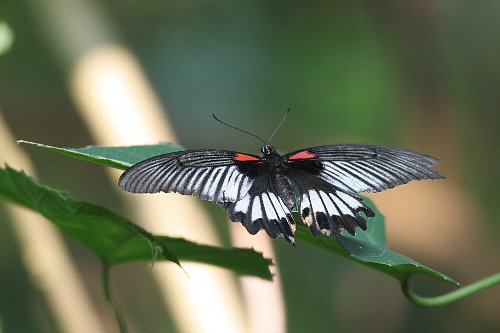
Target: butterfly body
[{"x": 260, "y": 191}]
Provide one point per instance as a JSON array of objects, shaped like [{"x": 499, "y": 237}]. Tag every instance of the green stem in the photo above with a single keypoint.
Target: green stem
[
  {"x": 111, "y": 302},
  {"x": 449, "y": 297}
]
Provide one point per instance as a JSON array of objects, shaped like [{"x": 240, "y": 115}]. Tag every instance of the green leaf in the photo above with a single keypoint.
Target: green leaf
[
  {"x": 113, "y": 238},
  {"x": 241, "y": 261},
  {"x": 116, "y": 157},
  {"x": 368, "y": 248}
]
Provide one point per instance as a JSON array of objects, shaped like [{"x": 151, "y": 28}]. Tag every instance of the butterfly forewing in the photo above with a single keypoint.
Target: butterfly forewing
[
  {"x": 213, "y": 175},
  {"x": 363, "y": 168}
]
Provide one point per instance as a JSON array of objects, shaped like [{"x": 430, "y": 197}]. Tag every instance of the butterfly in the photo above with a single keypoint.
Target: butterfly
[{"x": 260, "y": 192}]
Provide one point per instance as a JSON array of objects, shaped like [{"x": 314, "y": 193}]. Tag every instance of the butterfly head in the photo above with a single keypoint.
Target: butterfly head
[{"x": 267, "y": 149}]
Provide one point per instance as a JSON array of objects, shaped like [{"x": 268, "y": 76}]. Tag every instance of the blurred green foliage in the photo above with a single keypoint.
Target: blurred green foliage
[{"x": 6, "y": 37}]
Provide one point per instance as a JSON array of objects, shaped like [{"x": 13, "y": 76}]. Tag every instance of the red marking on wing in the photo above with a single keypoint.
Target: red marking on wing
[
  {"x": 302, "y": 155},
  {"x": 245, "y": 158}
]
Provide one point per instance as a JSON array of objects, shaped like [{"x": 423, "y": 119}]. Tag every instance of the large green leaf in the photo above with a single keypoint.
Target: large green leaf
[
  {"x": 372, "y": 255},
  {"x": 113, "y": 238},
  {"x": 368, "y": 248},
  {"x": 116, "y": 157}
]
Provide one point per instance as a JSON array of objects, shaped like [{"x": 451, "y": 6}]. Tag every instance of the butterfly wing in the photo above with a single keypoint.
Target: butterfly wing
[
  {"x": 261, "y": 198},
  {"x": 215, "y": 175},
  {"x": 325, "y": 209},
  {"x": 263, "y": 208},
  {"x": 327, "y": 176},
  {"x": 363, "y": 168}
]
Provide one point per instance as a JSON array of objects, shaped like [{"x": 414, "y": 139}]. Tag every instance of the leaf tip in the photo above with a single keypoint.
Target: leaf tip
[{"x": 27, "y": 142}]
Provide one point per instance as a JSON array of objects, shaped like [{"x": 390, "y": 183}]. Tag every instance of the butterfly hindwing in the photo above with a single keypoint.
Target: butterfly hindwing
[
  {"x": 324, "y": 208},
  {"x": 363, "y": 168},
  {"x": 214, "y": 175},
  {"x": 330, "y": 212},
  {"x": 263, "y": 208}
]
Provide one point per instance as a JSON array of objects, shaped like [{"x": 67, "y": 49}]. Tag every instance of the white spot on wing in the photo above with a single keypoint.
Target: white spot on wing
[
  {"x": 349, "y": 200},
  {"x": 269, "y": 208},
  {"x": 242, "y": 205},
  {"x": 328, "y": 203},
  {"x": 256, "y": 209},
  {"x": 196, "y": 176},
  {"x": 342, "y": 207},
  {"x": 208, "y": 186},
  {"x": 344, "y": 177},
  {"x": 214, "y": 182},
  {"x": 238, "y": 186}
]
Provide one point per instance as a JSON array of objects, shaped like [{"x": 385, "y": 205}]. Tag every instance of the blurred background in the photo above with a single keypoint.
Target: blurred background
[{"x": 424, "y": 75}]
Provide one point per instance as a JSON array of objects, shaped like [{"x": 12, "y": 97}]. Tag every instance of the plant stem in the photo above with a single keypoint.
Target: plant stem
[
  {"x": 449, "y": 297},
  {"x": 115, "y": 308}
]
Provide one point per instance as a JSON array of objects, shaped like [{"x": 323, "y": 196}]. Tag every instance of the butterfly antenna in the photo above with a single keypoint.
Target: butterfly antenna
[
  {"x": 281, "y": 123},
  {"x": 238, "y": 129}
]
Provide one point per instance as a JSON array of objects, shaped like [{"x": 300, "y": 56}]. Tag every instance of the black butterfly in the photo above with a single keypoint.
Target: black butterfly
[{"x": 260, "y": 192}]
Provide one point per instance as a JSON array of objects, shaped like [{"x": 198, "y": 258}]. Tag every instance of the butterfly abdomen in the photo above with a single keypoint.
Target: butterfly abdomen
[{"x": 283, "y": 186}]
